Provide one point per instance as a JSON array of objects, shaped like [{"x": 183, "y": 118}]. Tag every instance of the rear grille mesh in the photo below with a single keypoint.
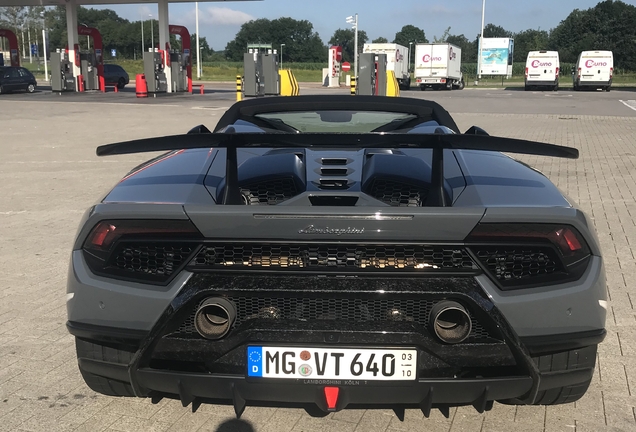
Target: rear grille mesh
[
  {"x": 151, "y": 259},
  {"x": 333, "y": 256},
  {"x": 331, "y": 309},
  {"x": 270, "y": 192},
  {"x": 398, "y": 194},
  {"x": 518, "y": 263}
]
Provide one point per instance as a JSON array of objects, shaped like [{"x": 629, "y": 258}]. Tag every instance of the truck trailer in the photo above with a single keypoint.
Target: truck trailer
[{"x": 438, "y": 66}]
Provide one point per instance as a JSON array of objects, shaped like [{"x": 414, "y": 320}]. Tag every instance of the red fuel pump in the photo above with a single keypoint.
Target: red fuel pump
[
  {"x": 185, "y": 46},
  {"x": 99, "y": 53}
]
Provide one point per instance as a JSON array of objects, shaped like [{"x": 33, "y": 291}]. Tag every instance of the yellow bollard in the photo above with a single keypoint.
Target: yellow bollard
[
  {"x": 353, "y": 86},
  {"x": 239, "y": 88}
]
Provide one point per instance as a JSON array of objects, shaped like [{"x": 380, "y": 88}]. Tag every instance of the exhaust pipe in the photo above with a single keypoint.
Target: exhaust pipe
[
  {"x": 214, "y": 318},
  {"x": 450, "y": 322}
]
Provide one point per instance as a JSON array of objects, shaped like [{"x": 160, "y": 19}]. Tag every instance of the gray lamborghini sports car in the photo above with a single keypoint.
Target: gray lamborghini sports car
[{"x": 337, "y": 252}]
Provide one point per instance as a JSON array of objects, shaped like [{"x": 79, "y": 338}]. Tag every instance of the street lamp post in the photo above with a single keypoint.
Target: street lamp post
[
  {"x": 353, "y": 20},
  {"x": 143, "y": 47},
  {"x": 152, "y": 33},
  {"x": 196, "y": 13},
  {"x": 281, "y": 55},
  {"x": 46, "y": 69},
  {"x": 481, "y": 37},
  {"x": 410, "y": 56}
]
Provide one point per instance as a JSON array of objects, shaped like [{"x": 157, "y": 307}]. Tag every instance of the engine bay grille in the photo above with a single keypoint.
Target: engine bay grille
[
  {"x": 332, "y": 257},
  {"x": 398, "y": 194},
  {"x": 270, "y": 192}
]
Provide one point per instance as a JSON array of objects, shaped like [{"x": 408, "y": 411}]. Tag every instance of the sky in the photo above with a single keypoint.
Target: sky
[{"x": 220, "y": 21}]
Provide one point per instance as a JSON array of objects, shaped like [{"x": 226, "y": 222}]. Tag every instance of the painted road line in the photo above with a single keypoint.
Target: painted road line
[{"x": 631, "y": 104}]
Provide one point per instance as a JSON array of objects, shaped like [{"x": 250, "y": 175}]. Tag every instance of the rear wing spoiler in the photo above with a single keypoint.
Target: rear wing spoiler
[{"x": 437, "y": 142}]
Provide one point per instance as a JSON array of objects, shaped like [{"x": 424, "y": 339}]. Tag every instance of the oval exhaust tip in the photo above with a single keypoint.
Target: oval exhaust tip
[
  {"x": 450, "y": 322},
  {"x": 214, "y": 318}
]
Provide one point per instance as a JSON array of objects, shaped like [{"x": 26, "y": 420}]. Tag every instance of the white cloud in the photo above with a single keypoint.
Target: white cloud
[{"x": 222, "y": 16}]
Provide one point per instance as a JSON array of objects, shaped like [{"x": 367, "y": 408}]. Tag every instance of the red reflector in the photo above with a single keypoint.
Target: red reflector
[
  {"x": 331, "y": 394},
  {"x": 573, "y": 242}
]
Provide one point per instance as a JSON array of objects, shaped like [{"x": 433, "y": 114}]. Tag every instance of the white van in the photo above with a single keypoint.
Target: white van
[
  {"x": 542, "y": 70},
  {"x": 594, "y": 70}
]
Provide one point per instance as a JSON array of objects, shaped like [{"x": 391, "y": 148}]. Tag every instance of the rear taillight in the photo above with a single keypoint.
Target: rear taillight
[
  {"x": 526, "y": 72},
  {"x": 579, "y": 73},
  {"x": 519, "y": 255},
  {"x": 147, "y": 250},
  {"x": 557, "y": 72},
  {"x": 611, "y": 72}
]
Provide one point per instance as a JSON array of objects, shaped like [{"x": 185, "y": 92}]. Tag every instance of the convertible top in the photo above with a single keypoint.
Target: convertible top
[{"x": 423, "y": 110}]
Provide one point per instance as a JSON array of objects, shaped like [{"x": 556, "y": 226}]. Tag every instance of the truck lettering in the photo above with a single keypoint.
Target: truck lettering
[
  {"x": 427, "y": 58},
  {"x": 537, "y": 63},
  {"x": 592, "y": 63}
]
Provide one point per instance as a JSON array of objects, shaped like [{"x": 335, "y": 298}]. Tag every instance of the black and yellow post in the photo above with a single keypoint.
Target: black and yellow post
[
  {"x": 353, "y": 86},
  {"x": 239, "y": 88}
]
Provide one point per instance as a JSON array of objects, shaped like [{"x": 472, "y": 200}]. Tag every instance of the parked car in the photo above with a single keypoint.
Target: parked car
[
  {"x": 115, "y": 75},
  {"x": 327, "y": 252},
  {"x": 14, "y": 78}
]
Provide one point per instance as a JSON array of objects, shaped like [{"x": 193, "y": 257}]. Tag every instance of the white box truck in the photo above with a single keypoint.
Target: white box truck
[
  {"x": 542, "y": 70},
  {"x": 594, "y": 70},
  {"x": 438, "y": 66},
  {"x": 397, "y": 59}
]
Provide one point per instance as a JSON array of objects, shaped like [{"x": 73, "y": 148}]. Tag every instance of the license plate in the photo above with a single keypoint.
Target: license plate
[{"x": 328, "y": 363}]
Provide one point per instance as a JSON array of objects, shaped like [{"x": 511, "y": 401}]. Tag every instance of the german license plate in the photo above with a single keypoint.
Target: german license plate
[{"x": 331, "y": 363}]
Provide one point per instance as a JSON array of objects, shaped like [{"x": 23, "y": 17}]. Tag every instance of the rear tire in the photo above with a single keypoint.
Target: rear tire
[
  {"x": 461, "y": 85},
  {"x": 584, "y": 358},
  {"x": 98, "y": 383},
  {"x": 607, "y": 89},
  {"x": 121, "y": 83}
]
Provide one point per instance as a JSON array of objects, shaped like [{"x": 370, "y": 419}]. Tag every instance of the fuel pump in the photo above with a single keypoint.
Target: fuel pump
[
  {"x": 178, "y": 72},
  {"x": 270, "y": 73},
  {"x": 372, "y": 75},
  {"x": 154, "y": 72},
  {"x": 254, "y": 84},
  {"x": 89, "y": 70},
  {"x": 62, "y": 79},
  {"x": 92, "y": 61}
]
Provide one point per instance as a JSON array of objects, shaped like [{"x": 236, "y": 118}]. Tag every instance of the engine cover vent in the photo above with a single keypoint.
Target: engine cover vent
[{"x": 398, "y": 194}]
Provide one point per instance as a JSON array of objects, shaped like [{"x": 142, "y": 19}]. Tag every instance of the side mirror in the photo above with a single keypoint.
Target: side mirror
[{"x": 476, "y": 130}]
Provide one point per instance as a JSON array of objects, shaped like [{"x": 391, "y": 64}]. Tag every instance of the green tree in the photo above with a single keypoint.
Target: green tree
[
  {"x": 346, "y": 39},
  {"x": 495, "y": 31},
  {"x": 380, "y": 40},
  {"x": 302, "y": 43},
  {"x": 443, "y": 38},
  {"x": 469, "y": 49},
  {"x": 410, "y": 33},
  {"x": 607, "y": 26},
  {"x": 530, "y": 40}
]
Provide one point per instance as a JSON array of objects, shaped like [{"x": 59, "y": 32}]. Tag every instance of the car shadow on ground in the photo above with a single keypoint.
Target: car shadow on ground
[{"x": 235, "y": 425}]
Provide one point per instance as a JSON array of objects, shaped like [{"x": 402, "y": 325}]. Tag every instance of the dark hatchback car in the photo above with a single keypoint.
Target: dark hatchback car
[
  {"x": 16, "y": 78},
  {"x": 115, "y": 74}
]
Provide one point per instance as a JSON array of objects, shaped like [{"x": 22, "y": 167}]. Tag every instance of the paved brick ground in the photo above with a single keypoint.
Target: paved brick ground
[{"x": 49, "y": 176}]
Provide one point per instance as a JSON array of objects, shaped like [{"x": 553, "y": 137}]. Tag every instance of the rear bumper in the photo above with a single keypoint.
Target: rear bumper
[{"x": 537, "y": 83}]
